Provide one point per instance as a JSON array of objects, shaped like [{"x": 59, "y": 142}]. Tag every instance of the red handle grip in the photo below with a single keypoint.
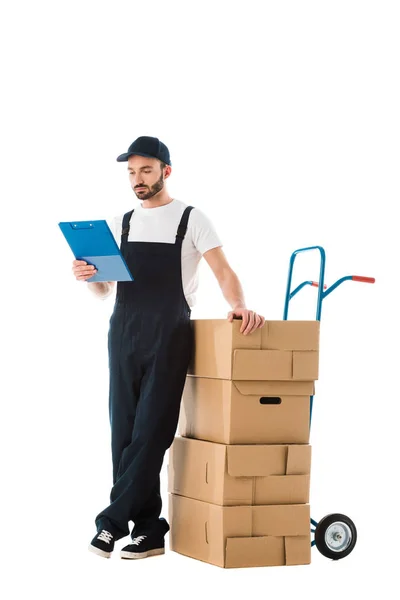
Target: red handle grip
[
  {"x": 316, "y": 284},
  {"x": 363, "y": 279}
]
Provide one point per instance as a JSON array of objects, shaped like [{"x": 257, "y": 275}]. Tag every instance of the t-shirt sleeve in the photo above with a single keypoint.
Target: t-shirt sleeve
[{"x": 204, "y": 234}]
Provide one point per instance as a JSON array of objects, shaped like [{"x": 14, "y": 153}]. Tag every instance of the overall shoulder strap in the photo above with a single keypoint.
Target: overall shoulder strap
[
  {"x": 125, "y": 224},
  {"x": 182, "y": 227}
]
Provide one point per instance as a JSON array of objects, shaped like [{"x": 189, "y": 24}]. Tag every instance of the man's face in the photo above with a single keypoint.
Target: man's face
[{"x": 146, "y": 176}]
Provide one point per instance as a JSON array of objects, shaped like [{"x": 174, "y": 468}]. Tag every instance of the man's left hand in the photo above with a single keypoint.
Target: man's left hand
[{"x": 251, "y": 320}]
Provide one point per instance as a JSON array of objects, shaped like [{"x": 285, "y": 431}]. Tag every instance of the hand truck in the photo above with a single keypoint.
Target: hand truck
[{"x": 334, "y": 535}]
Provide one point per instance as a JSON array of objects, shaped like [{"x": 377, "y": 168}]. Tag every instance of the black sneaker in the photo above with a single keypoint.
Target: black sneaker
[
  {"x": 102, "y": 544},
  {"x": 143, "y": 546}
]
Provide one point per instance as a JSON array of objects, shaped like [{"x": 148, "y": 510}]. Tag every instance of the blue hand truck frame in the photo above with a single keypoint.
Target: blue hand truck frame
[{"x": 335, "y": 535}]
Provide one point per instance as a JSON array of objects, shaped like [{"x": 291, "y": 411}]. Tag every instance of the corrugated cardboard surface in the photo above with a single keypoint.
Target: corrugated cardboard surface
[
  {"x": 290, "y": 335},
  {"x": 232, "y": 412},
  {"x": 285, "y": 365},
  {"x": 240, "y": 536},
  {"x": 290, "y": 350},
  {"x": 239, "y": 475}
]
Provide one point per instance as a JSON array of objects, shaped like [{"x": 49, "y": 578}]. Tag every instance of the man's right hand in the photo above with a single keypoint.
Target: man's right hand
[{"x": 82, "y": 270}]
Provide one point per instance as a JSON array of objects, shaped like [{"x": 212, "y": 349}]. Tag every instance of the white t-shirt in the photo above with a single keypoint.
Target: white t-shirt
[{"x": 161, "y": 224}]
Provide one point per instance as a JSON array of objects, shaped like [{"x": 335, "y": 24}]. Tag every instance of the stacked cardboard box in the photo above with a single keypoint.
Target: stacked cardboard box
[{"x": 239, "y": 470}]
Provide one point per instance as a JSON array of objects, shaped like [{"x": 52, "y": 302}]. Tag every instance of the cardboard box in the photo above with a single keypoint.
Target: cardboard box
[
  {"x": 281, "y": 350},
  {"x": 243, "y": 412},
  {"x": 239, "y": 475},
  {"x": 240, "y": 536}
]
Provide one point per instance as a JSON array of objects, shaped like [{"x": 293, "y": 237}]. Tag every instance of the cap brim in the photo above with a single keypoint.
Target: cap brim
[{"x": 124, "y": 157}]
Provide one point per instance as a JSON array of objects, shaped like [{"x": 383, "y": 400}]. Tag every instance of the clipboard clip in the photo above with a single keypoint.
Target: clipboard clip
[{"x": 82, "y": 225}]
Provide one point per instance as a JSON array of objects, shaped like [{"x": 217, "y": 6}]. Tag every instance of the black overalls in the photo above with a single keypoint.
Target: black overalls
[{"x": 150, "y": 343}]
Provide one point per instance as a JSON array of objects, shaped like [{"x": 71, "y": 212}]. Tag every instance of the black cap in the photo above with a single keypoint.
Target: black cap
[{"x": 147, "y": 146}]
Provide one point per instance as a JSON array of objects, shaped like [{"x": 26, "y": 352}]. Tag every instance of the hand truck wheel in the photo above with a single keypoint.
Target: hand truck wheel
[{"x": 335, "y": 536}]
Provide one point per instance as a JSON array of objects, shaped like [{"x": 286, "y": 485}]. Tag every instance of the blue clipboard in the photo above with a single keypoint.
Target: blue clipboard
[{"x": 93, "y": 242}]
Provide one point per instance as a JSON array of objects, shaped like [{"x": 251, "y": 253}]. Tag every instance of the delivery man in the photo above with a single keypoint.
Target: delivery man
[{"x": 150, "y": 342}]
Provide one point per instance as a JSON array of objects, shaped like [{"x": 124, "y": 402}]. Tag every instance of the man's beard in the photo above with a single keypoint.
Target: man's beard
[{"x": 157, "y": 187}]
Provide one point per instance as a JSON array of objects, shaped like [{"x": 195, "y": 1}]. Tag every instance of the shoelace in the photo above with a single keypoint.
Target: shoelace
[
  {"x": 105, "y": 536},
  {"x": 136, "y": 541}
]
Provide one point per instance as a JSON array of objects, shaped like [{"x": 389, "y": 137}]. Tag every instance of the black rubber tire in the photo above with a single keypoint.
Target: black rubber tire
[{"x": 321, "y": 529}]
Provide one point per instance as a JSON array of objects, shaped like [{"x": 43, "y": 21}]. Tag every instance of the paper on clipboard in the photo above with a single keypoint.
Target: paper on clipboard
[{"x": 93, "y": 242}]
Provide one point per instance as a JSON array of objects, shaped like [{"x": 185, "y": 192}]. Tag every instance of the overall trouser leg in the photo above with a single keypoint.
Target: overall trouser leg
[
  {"x": 148, "y": 517},
  {"x": 124, "y": 389}
]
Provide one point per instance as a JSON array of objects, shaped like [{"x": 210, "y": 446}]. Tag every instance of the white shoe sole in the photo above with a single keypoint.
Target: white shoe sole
[
  {"x": 99, "y": 552},
  {"x": 136, "y": 555}
]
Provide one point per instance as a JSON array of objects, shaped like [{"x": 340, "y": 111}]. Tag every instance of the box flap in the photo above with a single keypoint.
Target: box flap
[
  {"x": 298, "y": 459},
  {"x": 262, "y": 365},
  {"x": 275, "y": 388},
  {"x": 298, "y": 550},
  {"x": 254, "y": 551},
  {"x": 305, "y": 365},
  {"x": 256, "y": 460},
  {"x": 267, "y": 551}
]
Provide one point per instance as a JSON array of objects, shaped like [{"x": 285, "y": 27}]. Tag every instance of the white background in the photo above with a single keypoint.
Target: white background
[{"x": 282, "y": 119}]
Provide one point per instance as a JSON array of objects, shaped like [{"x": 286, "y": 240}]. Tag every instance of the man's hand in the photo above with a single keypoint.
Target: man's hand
[
  {"x": 82, "y": 271},
  {"x": 251, "y": 320}
]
